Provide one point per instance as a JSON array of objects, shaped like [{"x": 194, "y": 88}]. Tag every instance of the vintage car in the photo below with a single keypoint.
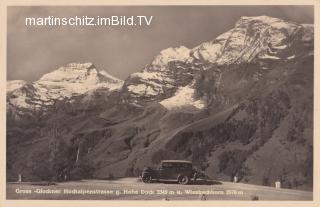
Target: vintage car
[{"x": 180, "y": 171}]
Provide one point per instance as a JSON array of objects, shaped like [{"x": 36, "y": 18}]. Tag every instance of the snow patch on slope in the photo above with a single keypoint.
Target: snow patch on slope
[
  {"x": 151, "y": 75},
  {"x": 291, "y": 57},
  {"x": 184, "y": 97},
  {"x": 142, "y": 89},
  {"x": 267, "y": 56}
]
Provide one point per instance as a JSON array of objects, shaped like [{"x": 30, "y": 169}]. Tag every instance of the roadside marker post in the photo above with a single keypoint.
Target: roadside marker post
[
  {"x": 235, "y": 179},
  {"x": 278, "y": 184}
]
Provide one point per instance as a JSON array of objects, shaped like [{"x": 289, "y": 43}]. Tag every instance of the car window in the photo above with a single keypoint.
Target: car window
[
  {"x": 185, "y": 166},
  {"x": 167, "y": 165}
]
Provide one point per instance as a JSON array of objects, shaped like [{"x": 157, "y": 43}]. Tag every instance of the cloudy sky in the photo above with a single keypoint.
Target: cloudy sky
[{"x": 34, "y": 51}]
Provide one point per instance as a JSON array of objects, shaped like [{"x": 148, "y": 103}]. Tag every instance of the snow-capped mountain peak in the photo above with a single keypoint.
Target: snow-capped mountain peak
[
  {"x": 257, "y": 38},
  {"x": 72, "y": 72},
  {"x": 76, "y": 78},
  {"x": 272, "y": 21},
  {"x": 65, "y": 82}
]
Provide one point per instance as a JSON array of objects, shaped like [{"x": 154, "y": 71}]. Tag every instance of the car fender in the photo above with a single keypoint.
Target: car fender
[{"x": 180, "y": 175}]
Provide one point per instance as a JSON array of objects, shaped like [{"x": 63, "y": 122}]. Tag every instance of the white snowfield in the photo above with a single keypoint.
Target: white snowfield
[
  {"x": 170, "y": 54},
  {"x": 142, "y": 89},
  {"x": 183, "y": 99},
  {"x": 266, "y": 56},
  {"x": 152, "y": 75},
  {"x": 65, "y": 82}
]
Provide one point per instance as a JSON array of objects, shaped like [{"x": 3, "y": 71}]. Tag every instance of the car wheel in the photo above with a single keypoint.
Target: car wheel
[
  {"x": 184, "y": 180},
  {"x": 147, "y": 178}
]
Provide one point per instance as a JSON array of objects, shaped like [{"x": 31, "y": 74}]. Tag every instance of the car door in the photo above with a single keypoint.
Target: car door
[
  {"x": 166, "y": 171},
  {"x": 161, "y": 172},
  {"x": 175, "y": 171}
]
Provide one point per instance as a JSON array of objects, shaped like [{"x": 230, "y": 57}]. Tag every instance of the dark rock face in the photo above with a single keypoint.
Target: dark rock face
[{"x": 255, "y": 85}]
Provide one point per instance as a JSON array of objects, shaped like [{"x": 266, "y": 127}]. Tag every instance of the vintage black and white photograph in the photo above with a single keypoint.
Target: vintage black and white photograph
[{"x": 162, "y": 103}]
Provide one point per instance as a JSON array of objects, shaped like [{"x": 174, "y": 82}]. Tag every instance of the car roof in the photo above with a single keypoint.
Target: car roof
[{"x": 177, "y": 161}]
